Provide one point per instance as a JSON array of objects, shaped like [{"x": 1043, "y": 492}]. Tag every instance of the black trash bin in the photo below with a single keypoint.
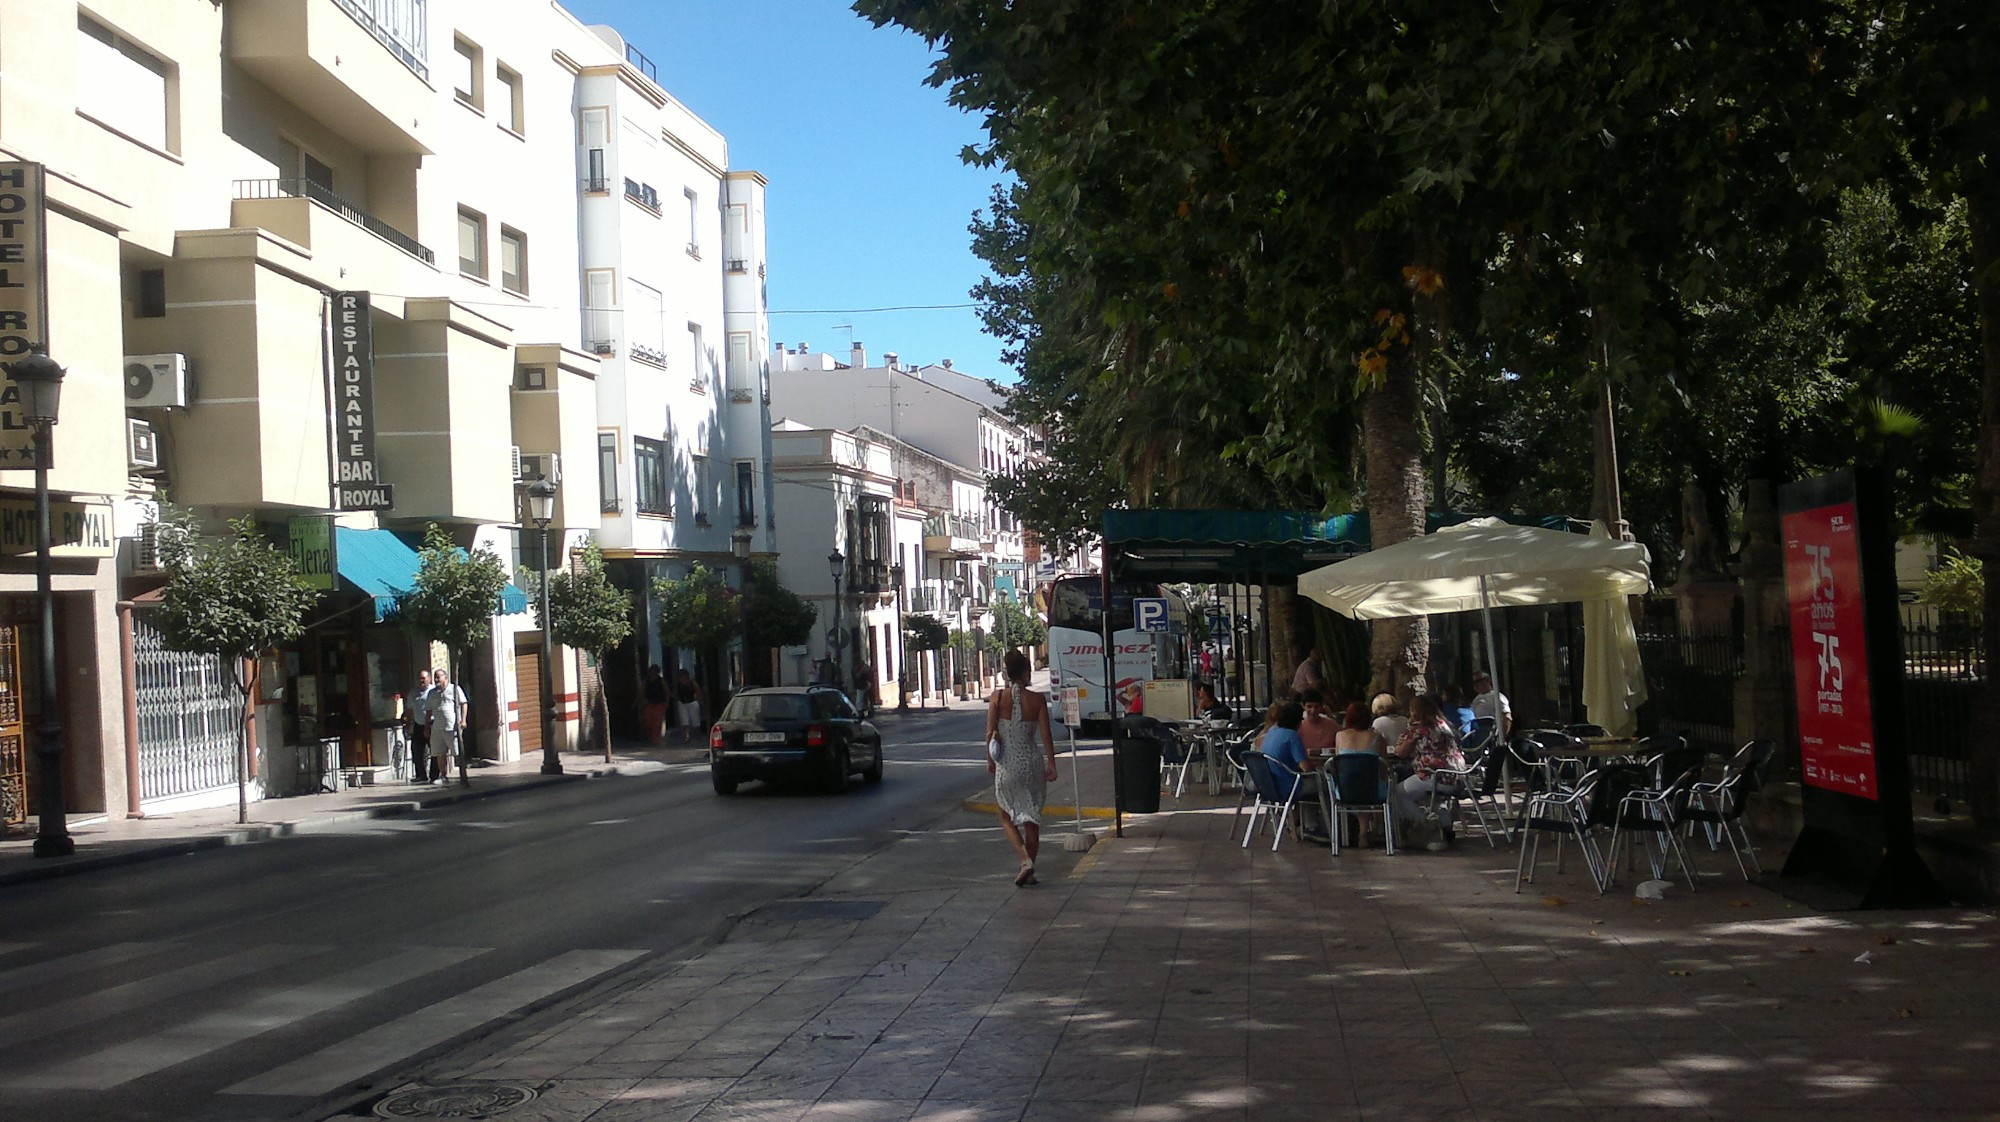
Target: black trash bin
[{"x": 1135, "y": 752}]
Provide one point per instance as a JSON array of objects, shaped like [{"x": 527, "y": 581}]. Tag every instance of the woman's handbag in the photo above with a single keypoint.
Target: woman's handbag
[{"x": 993, "y": 749}]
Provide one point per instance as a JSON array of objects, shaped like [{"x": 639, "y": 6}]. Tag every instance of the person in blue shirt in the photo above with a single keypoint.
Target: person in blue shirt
[
  {"x": 1281, "y": 742},
  {"x": 1456, "y": 711}
]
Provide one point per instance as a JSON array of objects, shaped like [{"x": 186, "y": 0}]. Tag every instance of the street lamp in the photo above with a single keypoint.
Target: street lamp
[
  {"x": 962, "y": 650},
  {"x": 902, "y": 650},
  {"x": 836, "y": 565},
  {"x": 739, "y": 544},
  {"x": 39, "y": 381},
  {"x": 541, "y": 511}
]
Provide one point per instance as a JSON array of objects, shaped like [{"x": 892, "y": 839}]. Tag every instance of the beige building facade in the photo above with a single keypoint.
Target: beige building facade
[{"x": 308, "y": 261}]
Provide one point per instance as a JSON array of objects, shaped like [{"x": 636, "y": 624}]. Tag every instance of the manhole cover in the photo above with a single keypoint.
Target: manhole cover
[
  {"x": 796, "y": 911},
  {"x": 454, "y": 1100}
]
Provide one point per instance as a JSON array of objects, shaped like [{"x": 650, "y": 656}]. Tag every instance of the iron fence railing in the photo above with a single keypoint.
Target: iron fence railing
[
  {"x": 1944, "y": 665},
  {"x": 401, "y": 26},
  {"x": 319, "y": 193}
]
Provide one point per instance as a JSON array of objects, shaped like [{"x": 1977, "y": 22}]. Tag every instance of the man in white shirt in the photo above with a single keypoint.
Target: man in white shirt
[
  {"x": 445, "y": 710},
  {"x": 1489, "y": 702},
  {"x": 1308, "y": 675}
]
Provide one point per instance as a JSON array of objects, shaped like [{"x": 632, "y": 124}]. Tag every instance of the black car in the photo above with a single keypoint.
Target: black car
[{"x": 792, "y": 732}]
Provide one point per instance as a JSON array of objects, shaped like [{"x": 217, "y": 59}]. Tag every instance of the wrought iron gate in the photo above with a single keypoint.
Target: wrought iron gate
[
  {"x": 188, "y": 714},
  {"x": 13, "y": 732}
]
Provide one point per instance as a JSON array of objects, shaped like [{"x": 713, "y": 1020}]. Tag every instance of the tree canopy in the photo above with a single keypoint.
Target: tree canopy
[
  {"x": 235, "y": 595},
  {"x": 697, "y": 610}
]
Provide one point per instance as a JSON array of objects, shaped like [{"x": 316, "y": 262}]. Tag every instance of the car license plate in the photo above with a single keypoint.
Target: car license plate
[{"x": 763, "y": 738}]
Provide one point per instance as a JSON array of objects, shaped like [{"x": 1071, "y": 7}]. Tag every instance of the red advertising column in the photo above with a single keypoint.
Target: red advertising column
[
  {"x": 1858, "y": 845},
  {"x": 1830, "y": 650}
]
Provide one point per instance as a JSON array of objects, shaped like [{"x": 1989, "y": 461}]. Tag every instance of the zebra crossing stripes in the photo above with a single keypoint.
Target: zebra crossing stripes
[
  {"x": 82, "y": 962},
  {"x": 237, "y": 1022},
  {"x": 133, "y": 996},
  {"x": 337, "y": 1065}
]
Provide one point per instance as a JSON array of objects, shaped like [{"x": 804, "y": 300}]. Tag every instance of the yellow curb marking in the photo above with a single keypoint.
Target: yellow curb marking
[
  {"x": 1089, "y": 860},
  {"x": 1052, "y": 811}
]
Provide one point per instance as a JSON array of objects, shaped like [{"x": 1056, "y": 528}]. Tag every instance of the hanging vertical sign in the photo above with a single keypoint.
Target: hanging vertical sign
[
  {"x": 357, "y": 481},
  {"x": 311, "y": 546},
  {"x": 1824, "y": 596},
  {"x": 24, "y": 309}
]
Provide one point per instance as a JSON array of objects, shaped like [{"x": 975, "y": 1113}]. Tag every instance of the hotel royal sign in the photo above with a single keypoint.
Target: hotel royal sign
[{"x": 24, "y": 312}]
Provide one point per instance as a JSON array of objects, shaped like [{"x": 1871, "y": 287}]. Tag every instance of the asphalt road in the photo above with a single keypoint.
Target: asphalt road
[{"x": 263, "y": 981}]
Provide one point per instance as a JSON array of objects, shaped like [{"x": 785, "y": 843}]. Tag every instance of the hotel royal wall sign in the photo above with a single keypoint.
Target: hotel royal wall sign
[{"x": 24, "y": 309}]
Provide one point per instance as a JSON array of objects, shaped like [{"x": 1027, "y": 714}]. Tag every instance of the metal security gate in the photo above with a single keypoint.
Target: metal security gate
[
  {"x": 188, "y": 715},
  {"x": 13, "y": 732}
]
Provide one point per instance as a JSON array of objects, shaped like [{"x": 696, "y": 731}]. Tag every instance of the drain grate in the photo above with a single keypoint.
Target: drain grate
[
  {"x": 454, "y": 1100},
  {"x": 801, "y": 911}
]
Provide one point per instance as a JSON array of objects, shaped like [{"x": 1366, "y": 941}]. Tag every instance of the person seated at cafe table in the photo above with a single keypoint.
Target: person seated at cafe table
[
  {"x": 1489, "y": 702},
  {"x": 1457, "y": 712},
  {"x": 1281, "y": 743},
  {"x": 1358, "y": 737},
  {"x": 1389, "y": 721},
  {"x": 1318, "y": 729},
  {"x": 1207, "y": 705},
  {"x": 1428, "y": 744}
]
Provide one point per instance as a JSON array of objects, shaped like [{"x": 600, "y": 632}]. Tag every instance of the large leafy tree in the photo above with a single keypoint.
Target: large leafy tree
[
  {"x": 588, "y": 612},
  {"x": 698, "y": 611},
  {"x": 773, "y": 615},
  {"x": 234, "y": 596},
  {"x": 455, "y": 595}
]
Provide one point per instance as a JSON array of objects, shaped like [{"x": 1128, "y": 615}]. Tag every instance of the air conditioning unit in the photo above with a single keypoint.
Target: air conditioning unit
[
  {"x": 516, "y": 450},
  {"x": 142, "y": 445},
  {"x": 539, "y": 465},
  {"x": 146, "y": 553},
  {"x": 156, "y": 381}
]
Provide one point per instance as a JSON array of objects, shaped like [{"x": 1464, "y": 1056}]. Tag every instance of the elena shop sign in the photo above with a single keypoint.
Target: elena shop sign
[{"x": 357, "y": 480}]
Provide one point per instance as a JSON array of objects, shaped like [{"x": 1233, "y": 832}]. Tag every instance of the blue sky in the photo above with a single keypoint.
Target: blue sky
[{"x": 869, "y": 201}]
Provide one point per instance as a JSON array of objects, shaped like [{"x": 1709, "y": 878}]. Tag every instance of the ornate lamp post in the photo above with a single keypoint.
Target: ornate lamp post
[
  {"x": 739, "y": 545},
  {"x": 541, "y": 511},
  {"x": 962, "y": 650},
  {"x": 836, "y": 565},
  {"x": 902, "y": 644},
  {"x": 39, "y": 381}
]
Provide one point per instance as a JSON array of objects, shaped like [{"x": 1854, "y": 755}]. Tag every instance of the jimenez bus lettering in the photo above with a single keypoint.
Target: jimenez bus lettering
[{"x": 1082, "y": 649}]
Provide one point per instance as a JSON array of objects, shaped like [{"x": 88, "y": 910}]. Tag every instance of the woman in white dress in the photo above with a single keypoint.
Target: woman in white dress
[{"x": 1022, "y": 774}]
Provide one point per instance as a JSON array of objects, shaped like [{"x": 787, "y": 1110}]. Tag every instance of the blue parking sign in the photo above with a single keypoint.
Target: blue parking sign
[{"x": 1149, "y": 613}]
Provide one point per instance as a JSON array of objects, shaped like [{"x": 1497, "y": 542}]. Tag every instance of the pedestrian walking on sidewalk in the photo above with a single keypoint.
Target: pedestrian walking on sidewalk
[
  {"x": 417, "y": 718},
  {"x": 687, "y": 705},
  {"x": 1021, "y": 773},
  {"x": 655, "y": 707},
  {"x": 445, "y": 710}
]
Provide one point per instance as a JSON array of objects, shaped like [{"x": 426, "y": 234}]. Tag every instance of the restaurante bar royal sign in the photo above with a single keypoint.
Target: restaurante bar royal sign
[
  {"x": 1829, "y": 648},
  {"x": 24, "y": 312},
  {"x": 357, "y": 479}
]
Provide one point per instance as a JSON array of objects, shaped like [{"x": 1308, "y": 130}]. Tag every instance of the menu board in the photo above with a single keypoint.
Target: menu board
[{"x": 1830, "y": 649}]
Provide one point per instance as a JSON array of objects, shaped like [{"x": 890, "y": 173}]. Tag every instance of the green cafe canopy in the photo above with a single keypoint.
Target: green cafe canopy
[{"x": 1249, "y": 546}]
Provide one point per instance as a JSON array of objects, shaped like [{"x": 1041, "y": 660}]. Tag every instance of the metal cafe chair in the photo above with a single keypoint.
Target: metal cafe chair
[
  {"x": 1275, "y": 786},
  {"x": 1355, "y": 785}
]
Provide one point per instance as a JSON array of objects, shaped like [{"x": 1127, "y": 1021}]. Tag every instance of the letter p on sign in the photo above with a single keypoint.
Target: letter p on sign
[{"x": 1149, "y": 613}]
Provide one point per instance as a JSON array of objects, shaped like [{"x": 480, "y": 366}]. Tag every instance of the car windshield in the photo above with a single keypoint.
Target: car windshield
[{"x": 768, "y": 707}]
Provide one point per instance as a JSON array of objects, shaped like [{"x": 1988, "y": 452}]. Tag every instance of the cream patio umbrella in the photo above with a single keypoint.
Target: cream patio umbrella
[{"x": 1481, "y": 565}]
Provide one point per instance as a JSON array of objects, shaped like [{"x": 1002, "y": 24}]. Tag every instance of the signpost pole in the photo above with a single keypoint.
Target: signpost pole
[{"x": 1081, "y": 840}]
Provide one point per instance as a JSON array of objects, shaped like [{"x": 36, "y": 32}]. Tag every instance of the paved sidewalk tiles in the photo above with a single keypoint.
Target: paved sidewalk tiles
[{"x": 1175, "y": 976}]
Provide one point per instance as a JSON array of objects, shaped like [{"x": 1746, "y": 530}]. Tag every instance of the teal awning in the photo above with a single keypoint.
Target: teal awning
[
  {"x": 384, "y": 567},
  {"x": 377, "y": 563},
  {"x": 1248, "y": 545}
]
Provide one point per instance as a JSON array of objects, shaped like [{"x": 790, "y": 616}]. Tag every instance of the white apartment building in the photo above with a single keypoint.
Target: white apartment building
[
  {"x": 229, "y": 188},
  {"x": 936, "y": 410},
  {"x": 836, "y": 494},
  {"x": 673, "y": 260}
]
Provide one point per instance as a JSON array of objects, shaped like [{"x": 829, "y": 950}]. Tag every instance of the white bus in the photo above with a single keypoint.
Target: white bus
[{"x": 1076, "y": 647}]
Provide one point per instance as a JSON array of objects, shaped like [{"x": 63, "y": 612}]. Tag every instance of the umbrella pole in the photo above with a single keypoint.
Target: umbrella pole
[{"x": 1493, "y": 669}]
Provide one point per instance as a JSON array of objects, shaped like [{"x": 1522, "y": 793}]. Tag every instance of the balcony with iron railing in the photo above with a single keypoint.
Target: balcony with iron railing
[
  {"x": 359, "y": 68},
  {"x": 307, "y": 191}
]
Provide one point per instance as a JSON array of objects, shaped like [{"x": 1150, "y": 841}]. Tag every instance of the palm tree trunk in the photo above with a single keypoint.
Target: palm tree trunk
[{"x": 1391, "y": 434}]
